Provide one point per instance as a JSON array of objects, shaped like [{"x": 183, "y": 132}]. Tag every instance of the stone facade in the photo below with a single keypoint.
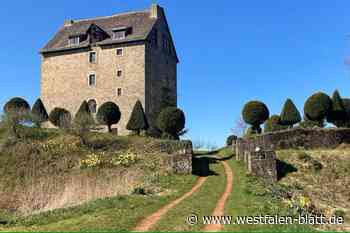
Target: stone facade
[{"x": 148, "y": 67}]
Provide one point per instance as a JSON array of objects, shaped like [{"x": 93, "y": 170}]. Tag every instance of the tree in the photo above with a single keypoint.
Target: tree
[
  {"x": 337, "y": 114},
  {"x": 171, "y": 121},
  {"x": 255, "y": 113},
  {"x": 317, "y": 107},
  {"x": 60, "y": 117},
  {"x": 230, "y": 139},
  {"x": 108, "y": 114},
  {"x": 16, "y": 105},
  {"x": 290, "y": 114},
  {"x": 39, "y": 112},
  {"x": 274, "y": 124},
  {"x": 84, "y": 112},
  {"x": 137, "y": 121}
]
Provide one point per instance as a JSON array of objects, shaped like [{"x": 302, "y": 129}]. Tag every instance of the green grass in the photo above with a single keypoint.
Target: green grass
[
  {"x": 201, "y": 203},
  {"x": 110, "y": 214}
]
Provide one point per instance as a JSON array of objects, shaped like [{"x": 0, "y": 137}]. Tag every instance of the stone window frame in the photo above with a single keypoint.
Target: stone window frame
[
  {"x": 121, "y": 71},
  {"x": 118, "y": 91},
  {"x": 89, "y": 57},
  {"x": 116, "y": 52},
  {"x": 88, "y": 79}
]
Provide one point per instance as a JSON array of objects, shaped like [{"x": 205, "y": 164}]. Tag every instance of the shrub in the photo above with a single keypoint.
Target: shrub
[
  {"x": 39, "y": 112},
  {"x": 255, "y": 113},
  {"x": 309, "y": 124},
  {"x": 230, "y": 139},
  {"x": 290, "y": 114},
  {"x": 108, "y": 114},
  {"x": 317, "y": 107},
  {"x": 337, "y": 115},
  {"x": 83, "y": 112},
  {"x": 137, "y": 121},
  {"x": 16, "y": 105},
  {"x": 171, "y": 121},
  {"x": 60, "y": 117},
  {"x": 346, "y": 121},
  {"x": 273, "y": 124}
]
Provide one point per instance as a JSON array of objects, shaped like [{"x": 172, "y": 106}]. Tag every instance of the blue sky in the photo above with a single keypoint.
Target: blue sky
[{"x": 230, "y": 52}]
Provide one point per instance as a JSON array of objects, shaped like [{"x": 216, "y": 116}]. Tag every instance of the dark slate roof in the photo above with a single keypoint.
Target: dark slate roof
[{"x": 140, "y": 22}]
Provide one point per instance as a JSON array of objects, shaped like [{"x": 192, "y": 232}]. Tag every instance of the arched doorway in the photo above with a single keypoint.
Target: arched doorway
[{"x": 92, "y": 106}]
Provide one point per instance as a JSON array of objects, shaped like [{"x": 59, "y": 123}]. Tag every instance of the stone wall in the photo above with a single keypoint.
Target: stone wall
[
  {"x": 179, "y": 160},
  {"x": 259, "y": 161},
  {"x": 306, "y": 138}
]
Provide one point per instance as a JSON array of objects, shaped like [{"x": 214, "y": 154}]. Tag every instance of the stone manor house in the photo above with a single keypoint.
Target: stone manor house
[{"x": 121, "y": 58}]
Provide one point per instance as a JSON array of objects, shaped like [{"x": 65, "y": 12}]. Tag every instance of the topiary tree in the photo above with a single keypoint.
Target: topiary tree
[
  {"x": 255, "y": 113},
  {"x": 337, "y": 114},
  {"x": 84, "y": 112},
  {"x": 83, "y": 121},
  {"x": 137, "y": 121},
  {"x": 108, "y": 114},
  {"x": 16, "y": 105},
  {"x": 274, "y": 124},
  {"x": 171, "y": 121},
  {"x": 39, "y": 112},
  {"x": 60, "y": 118},
  {"x": 230, "y": 139},
  {"x": 317, "y": 107},
  {"x": 290, "y": 114}
]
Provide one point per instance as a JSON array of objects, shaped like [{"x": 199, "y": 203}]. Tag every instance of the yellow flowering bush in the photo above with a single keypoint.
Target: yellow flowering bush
[
  {"x": 300, "y": 204},
  {"x": 92, "y": 160},
  {"x": 56, "y": 147},
  {"x": 125, "y": 159}
]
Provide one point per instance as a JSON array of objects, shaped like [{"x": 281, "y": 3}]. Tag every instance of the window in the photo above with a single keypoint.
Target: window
[
  {"x": 92, "y": 105},
  {"x": 119, "y": 51},
  {"x": 92, "y": 80},
  {"x": 75, "y": 40},
  {"x": 118, "y": 35},
  {"x": 119, "y": 91},
  {"x": 119, "y": 73},
  {"x": 92, "y": 57}
]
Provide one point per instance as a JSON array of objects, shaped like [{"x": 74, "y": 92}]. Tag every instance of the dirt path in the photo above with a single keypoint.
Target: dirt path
[
  {"x": 147, "y": 223},
  {"x": 220, "y": 206}
]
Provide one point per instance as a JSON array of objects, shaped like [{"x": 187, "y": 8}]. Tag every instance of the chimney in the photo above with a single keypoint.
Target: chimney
[
  {"x": 155, "y": 10},
  {"x": 68, "y": 22}
]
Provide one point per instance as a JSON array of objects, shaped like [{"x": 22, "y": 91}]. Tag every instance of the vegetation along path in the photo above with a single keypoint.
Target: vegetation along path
[
  {"x": 220, "y": 206},
  {"x": 148, "y": 222}
]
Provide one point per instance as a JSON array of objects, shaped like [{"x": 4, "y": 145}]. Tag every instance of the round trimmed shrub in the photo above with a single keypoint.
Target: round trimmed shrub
[
  {"x": 39, "y": 111},
  {"x": 255, "y": 113},
  {"x": 171, "y": 121},
  {"x": 60, "y": 117},
  {"x": 317, "y": 106},
  {"x": 273, "y": 124},
  {"x": 290, "y": 114},
  {"x": 230, "y": 139},
  {"x": 108, "y": 114},
  {"x": 16, "y": 105}
]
